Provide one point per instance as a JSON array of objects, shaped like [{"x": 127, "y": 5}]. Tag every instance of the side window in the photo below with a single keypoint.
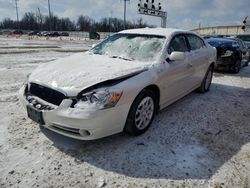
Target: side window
[
  {"x": 241, "y": 45},
  {"x": 195, "y": 42},
  {"x": 236, "y": 44},
  {"x": 178, "y": 44}
]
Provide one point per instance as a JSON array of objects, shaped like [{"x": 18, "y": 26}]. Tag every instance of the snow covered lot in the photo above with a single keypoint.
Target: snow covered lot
[{"x": 200, "y": 141}]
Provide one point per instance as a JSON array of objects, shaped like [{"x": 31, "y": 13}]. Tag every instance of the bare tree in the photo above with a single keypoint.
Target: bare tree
[{"x": 36, "y": 21}]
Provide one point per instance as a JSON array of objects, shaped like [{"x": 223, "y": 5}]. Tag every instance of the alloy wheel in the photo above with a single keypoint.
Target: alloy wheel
[{"x": 144, "y": 113}]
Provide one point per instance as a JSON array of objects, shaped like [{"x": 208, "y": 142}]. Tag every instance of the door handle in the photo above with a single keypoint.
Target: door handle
[{"x": 189, "y": 65}]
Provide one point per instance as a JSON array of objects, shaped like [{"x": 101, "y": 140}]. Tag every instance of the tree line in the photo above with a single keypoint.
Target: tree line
[{"x": 36, "y": 21}]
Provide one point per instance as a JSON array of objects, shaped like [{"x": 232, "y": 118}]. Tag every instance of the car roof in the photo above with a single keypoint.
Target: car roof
[
  {"x": 155, "y": 31},
  {"x": 221, "y": 39},
  {"x": 217, "y": 42}
]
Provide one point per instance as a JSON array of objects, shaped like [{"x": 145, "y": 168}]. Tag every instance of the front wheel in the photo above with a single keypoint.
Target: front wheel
[
  {"x": 141, "y": 113},
  {"x": 237, "y": 67},
  {"x": 206, "y": 83}
]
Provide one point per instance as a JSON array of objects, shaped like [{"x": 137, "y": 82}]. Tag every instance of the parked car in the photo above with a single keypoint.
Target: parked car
[
  {"x": 31, "y": 33},
  {"x": 230, "y": 55},
  {"x": 53, "y": 34},
  {"x": 207, "y": 36},
  {"x": 94, "y": 35},
  {"x": 244, "y": 49},
  {"x": 245, "y": 38},
  {"x": 17, "y": 32},
  {"x": 215, "y": 36},
  {"x": 65, "y": 34},
  {"x": 6, "y": 32},
  {"x": 43, "y": 33},
  {"x": 120, "y": 84}
]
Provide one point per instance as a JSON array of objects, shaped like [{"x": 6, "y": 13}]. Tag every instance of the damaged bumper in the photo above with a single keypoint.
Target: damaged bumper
[
  {"x": 225, "y": 63},
  {"x": 83, "y": 124}
]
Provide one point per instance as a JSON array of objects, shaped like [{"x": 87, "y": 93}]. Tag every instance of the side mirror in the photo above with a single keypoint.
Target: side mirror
[{"x": 177, "y": 56}]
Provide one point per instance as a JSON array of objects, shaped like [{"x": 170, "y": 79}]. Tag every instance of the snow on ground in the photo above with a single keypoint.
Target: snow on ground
[{"x": 203, "y": 140}]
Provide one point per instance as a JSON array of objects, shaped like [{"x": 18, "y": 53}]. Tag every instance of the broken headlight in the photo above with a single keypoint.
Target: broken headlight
[
  {"x": 227, "y": 53},
  {"x": 99, "y": 99}
]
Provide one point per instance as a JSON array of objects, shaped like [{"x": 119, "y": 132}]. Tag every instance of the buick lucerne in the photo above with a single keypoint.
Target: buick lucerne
[{"x": 119, "y": 84}]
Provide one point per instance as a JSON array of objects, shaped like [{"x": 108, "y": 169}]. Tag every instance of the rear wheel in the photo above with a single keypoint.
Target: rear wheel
[
  {"x": 206, "y": 83},
  {"x": 141, "y": 113}
]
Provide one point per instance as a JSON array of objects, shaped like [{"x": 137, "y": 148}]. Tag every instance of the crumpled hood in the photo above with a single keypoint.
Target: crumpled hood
[{"x": 80, "y": 71}]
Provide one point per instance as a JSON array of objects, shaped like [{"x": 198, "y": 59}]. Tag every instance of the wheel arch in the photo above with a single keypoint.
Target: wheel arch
[
  {"x": 156, "y": 90},
  {"x": 212, "y": 65},
  {"x": 152, "y": 88},
  {"x": 238, "y": 55}
]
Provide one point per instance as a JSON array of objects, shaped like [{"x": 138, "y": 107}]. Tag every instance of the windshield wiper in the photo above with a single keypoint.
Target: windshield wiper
[{"x": 119, "y": 57}]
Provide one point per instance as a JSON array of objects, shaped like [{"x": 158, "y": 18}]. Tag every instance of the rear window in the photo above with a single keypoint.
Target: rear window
[{"x": 244, "y": 38}]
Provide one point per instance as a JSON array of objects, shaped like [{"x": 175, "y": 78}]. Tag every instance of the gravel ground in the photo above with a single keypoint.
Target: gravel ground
[{"x": 203, "y": 140}]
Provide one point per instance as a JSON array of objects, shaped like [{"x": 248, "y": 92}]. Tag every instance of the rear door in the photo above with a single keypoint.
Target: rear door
[{"x": 198, "y": 57}]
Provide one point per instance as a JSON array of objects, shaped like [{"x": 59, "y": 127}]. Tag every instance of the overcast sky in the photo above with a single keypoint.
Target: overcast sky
[{"x": 185, "y": 14}]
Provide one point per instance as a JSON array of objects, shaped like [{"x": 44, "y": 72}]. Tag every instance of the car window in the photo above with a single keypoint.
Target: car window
[
  {"x": 195, "y": 42},
  {"x": 178, "y": 44},
  {"x": 244, "y": 37},
  {"x": 241, "y": 45},
  {"x": 236, "y": 44}
]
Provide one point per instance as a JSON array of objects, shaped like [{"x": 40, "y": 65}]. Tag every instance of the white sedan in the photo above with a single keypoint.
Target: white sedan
[{"x": 120, "y": 84}]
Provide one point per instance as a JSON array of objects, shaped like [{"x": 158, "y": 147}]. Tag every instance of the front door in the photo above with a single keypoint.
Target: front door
[{"x": 176, "y": 79}]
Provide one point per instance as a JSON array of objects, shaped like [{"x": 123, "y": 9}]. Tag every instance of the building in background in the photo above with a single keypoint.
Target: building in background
[{"x": 223, "y": 30}]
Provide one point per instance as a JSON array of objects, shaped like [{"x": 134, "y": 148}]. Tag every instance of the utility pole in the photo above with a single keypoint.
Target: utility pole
[
  {"x": 110, "y": 20},
  {"x": 49, "y": 15},
  {"x": 125, "y": 12},
  {"x": 40, "y": 17},
  {"x": 17, "y": 16}
]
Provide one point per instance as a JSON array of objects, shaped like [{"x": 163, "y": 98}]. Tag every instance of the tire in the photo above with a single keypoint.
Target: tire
[
  {"x": 206, "y": 83},
  {"x": 141, "y": 113},
  {"x": 237, "y": 67}
]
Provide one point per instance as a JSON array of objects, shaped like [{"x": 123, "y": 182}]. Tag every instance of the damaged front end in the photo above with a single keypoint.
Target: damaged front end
[
  {"x": 226, "y": 58},
  {"x": 80, "y": 116},
  {"x": 102, "y": 95}
]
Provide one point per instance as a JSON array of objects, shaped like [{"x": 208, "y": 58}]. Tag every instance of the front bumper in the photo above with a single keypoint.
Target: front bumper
[
  {"x": 85, "y": 124},
  {"x": 225, "y": 63}
]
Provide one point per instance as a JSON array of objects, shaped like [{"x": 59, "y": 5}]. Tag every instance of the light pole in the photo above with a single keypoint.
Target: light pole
[
  {"x": 40, "y": 17},
  {"x": 17, "y": 16},
  {"x": 125, "y": 12},
  {"x": 49, "y": 15},
  {"x": 110, "y": 21}
]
